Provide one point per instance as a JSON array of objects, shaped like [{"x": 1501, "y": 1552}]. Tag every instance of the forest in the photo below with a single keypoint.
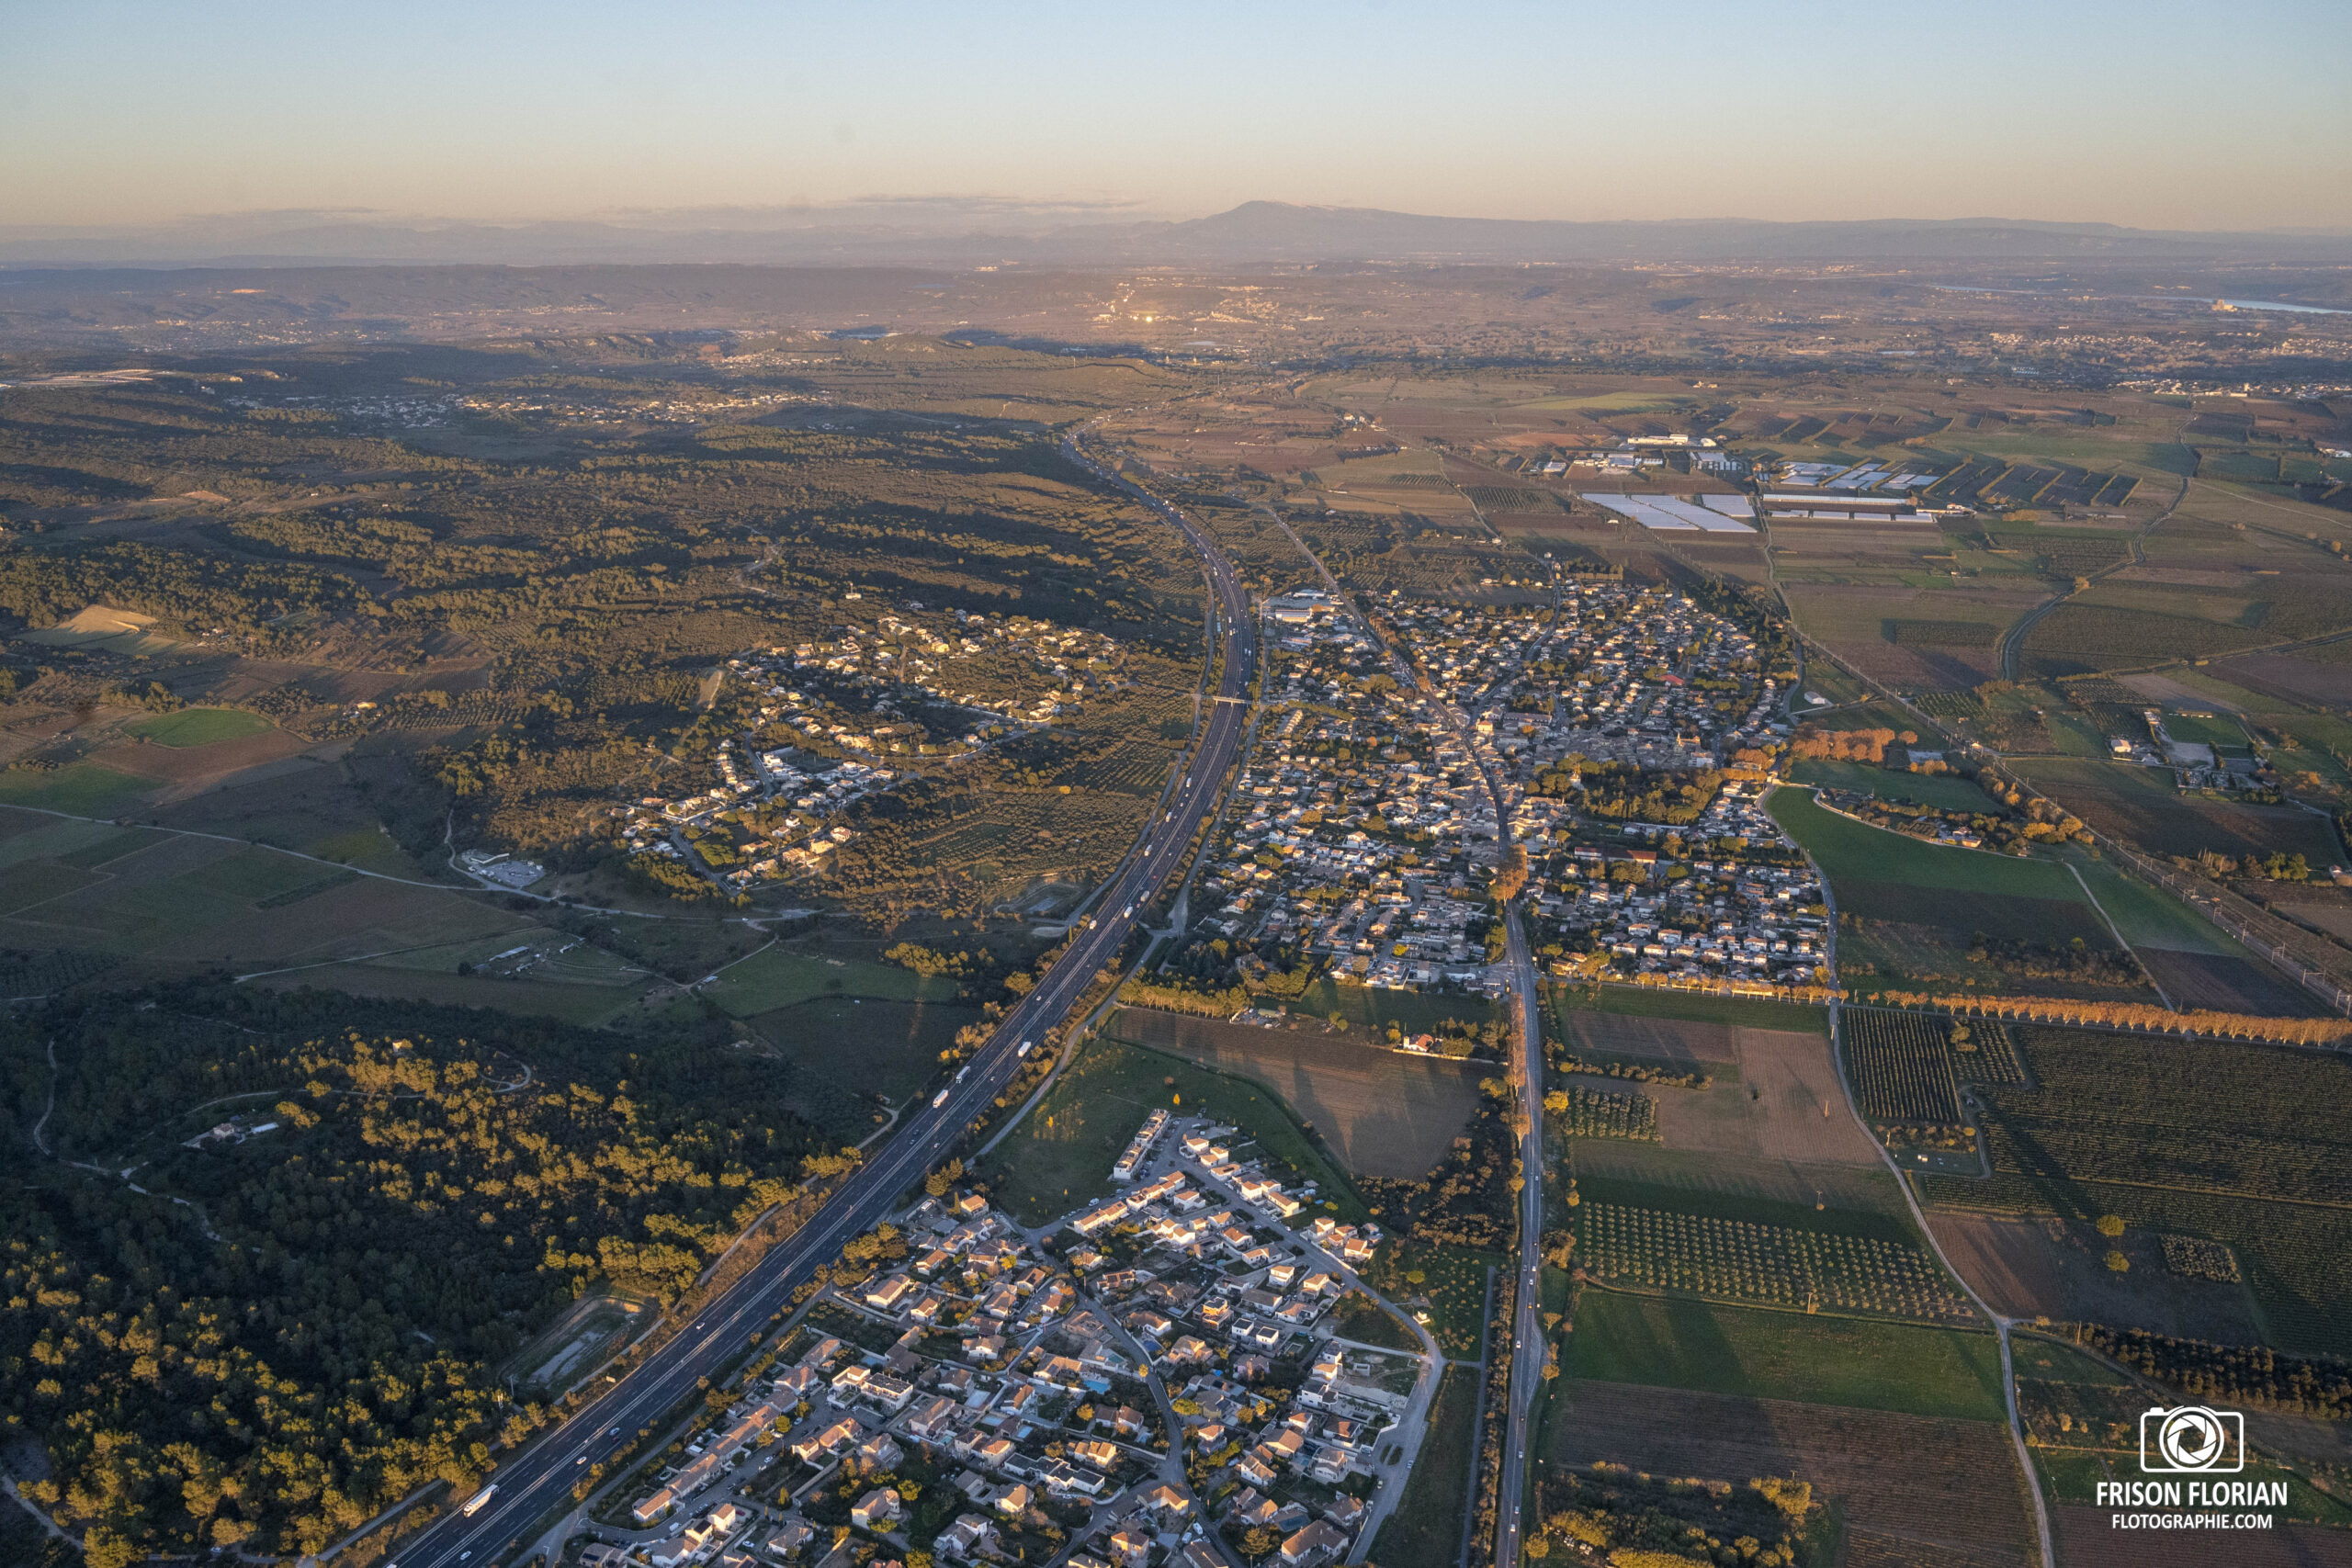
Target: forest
[{"x": 262, "y": 1339}]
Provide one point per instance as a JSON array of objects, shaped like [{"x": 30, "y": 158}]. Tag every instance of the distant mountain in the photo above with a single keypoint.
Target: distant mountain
[
  {"x": 955, "y": 234},
  {"x": 1271, "y": 231}
]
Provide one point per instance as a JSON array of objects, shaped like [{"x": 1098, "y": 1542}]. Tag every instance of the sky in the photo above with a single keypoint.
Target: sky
[{"x": 2149, "y": 113}]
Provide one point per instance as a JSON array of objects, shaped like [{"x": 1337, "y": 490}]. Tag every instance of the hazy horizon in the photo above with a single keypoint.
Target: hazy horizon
[{"x": 137, "y": 115}]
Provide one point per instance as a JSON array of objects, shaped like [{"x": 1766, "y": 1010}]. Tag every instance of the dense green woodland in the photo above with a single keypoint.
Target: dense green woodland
[{"x": 277, "y": 1339}]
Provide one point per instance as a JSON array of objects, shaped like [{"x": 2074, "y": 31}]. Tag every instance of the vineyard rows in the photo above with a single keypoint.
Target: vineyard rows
[
  {"x": 1994, "y": 1061},
  {"x": 1594, "y": 1114},
  {"x": 1776, "y": 1264},
  {"x": 1903, "y": 1067}
]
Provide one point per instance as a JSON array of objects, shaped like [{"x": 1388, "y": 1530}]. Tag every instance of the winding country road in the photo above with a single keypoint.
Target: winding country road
[{"x": 536, "y": 1482}]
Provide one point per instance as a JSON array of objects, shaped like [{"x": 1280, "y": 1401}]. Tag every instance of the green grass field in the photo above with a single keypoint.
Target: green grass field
[
  {"x": 1695, "y": 1006},
  {"x": 1061, "y": 1156},
  {"x": 2042, "y": 1359},
  {"x": 254, "y": 874},
  {"x": 200, "y": 726},
  {"x": 1785, "y": 1355},
  {"x": 30, "y": 837},
  {"x": 370, "y": 849},
  {"x": 1852, "y": 851},
  {"x": 2220, "y": 731},
  {"x": 1426, "y": 1530},
  {"x": 84, "y": 789},
  {"x": 2149, "y": 917},
  {"x": 1944, "y": 791},
  {"x": 866, "y": 1046},
  {"x": 785, "y": 976},
  {"x": 1373, "y": 1010},
  {"x": 1365, "y": 1320},
  {"x": 1849, "y": 1211}
]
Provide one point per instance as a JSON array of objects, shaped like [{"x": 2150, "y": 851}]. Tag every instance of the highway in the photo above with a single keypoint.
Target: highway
[
  {"x": 1527, "y": 1334},
  {"x": 536, "y": 1482}
]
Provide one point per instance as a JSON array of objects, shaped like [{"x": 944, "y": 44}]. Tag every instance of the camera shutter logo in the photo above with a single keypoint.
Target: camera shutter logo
[{"x": 2191, "y": 1439}]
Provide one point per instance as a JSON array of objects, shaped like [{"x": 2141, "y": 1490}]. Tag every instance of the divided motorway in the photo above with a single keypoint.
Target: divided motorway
[{"x": 536, "y": 1482}]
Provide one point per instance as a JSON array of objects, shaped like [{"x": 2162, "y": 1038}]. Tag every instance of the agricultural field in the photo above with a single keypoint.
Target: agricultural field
[
  {"x": 200, "y": 726},
  {"x": 1061, "y": 1154},
  {"x": 1773, "y": 1265},
  {"x": 80, "y": 789},
  {"x": 1384, "y": 1113},
  {"x": 1910, "y": 1490},
  {"x": 784, "y": 975},
  {"x": 2030, "y": 1267},
  {"x": 1902, "y": 1065},
  {"x": 1909, "y": 911},
  {"x": 1426, "y": 1530},
  {"x": 1695, "y": 1006},
  {"x": 2197, "y": 963},
  {"x": 2141, "y": 806},
  {"x": 2084, "y": 1423},
  {"x": 185, "y": 902},
  {"x": 1595, "y": 1112},
  {"x": 1785, "y": 1110},
  {"x": 308, "y": 807},
  {"x": 1371, "y": 1009},
  {"x": 860, "y": 1054},
  {"x": 2241, "y": 1145},
  {"x": 1889, "y": 618},
  {"x": 1946, "y": 791},
  {"x": 1685, "y": 1045},
  {"x": 1756, "y": 1353},
  {"x": 1773, "y": 1104}
]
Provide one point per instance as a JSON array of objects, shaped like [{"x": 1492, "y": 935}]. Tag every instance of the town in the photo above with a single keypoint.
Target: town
[
  {"x": 1626, "y": 732},
  {"x": 1163, "y": 1376}
]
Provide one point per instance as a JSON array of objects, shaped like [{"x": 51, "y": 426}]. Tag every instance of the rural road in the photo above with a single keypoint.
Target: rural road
[
  {"x": 2000, "y": 1323},
  {"x": 2012, "y": 644},
  {"x": 536, "y": 1482},
  {"x": 1527, "y": 1339}
]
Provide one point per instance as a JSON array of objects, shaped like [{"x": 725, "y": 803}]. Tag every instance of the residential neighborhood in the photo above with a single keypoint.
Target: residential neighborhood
[
  {"x": 1154, "y": 1379},
  {"x": 1627, "y": 732},
  {"x": 826, "y": 724}
]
